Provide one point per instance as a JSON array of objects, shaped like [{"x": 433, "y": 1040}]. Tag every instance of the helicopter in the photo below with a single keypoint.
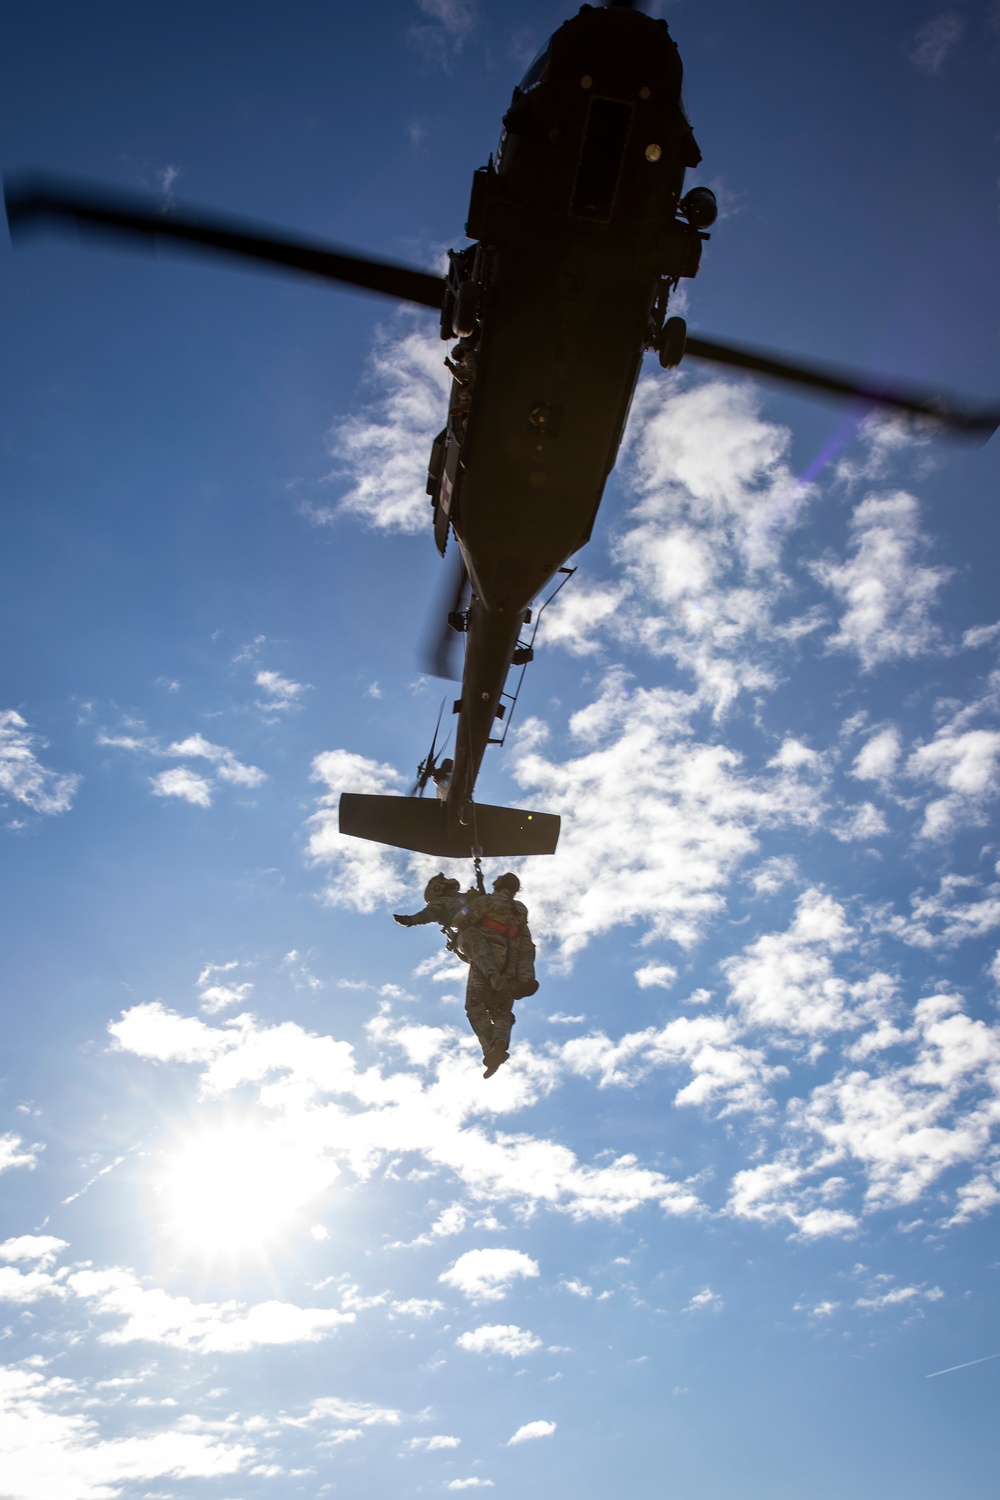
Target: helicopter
[{"x": 580, "y": 231}]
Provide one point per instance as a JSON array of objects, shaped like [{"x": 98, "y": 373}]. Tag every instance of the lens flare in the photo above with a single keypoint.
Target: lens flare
[{"x": 237, "y": 1188}]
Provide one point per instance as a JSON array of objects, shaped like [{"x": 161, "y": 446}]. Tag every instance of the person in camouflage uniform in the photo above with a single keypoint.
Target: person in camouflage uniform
[
  {"x": 495, "y": 940},
  {"x": 444, "y": 901}
]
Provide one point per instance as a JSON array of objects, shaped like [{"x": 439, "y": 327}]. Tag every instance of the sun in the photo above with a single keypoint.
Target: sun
[{"x": 237, "y": 1188}]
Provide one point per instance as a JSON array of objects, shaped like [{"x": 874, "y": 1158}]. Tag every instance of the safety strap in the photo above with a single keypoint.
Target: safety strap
[{"x": 501, "y": 927}]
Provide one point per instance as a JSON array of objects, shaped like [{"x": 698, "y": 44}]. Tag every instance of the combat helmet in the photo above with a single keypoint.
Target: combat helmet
[{"x": 440, "y": 885}]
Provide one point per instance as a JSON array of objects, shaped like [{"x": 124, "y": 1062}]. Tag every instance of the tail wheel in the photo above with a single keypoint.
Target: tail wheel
[
  {"x": 672, "y": 343},
  {"x": 465, "y": 310}
]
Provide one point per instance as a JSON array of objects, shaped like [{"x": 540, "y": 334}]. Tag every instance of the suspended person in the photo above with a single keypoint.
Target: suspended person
[
  {"x": 495, "y": 940},
  {"x": 443, "y": 901}
]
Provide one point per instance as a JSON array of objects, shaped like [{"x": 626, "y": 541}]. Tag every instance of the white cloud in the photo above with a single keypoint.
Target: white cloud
[
  {"x": 935, "y": 39},
  {"x": 22, "y": 775},
  {"x": 860, "y": 824},
  {"x": 499, "y": 1338},
  {"x": 418, "y": 1307},
  {"x": 433, "y": 1444},
  {"x": 722, "y": 1069},
  {"x": 227, "y": 767},
  {"x": 978, "y": 1196},
  {"x": 283, "y": 693},
  {"x": 895, "y": 1120},
  {"x": 150, "y": 1030},
  {"x": 14, "y": 1153},
  {"x": 43, "y": 1248},
  {"x": 705, "y": 1299},
  {"x": 400, "y": 1113},
  {"x": 898, "y": 1295},
  {"x": 384, "y": 451},
  {"x": 28, "y": 1286},
  {"x": 181, "y": 781},
  {"x": 701, "y": 549},
  {"x": 153, "y": 1315},
  {"x": 487, "y": 1275},
  {"x": 787, "y": 980},
  {"x": 887, "y": 594},
  {"x": 943, "y": 919},
  {"x": 215, "y": 996},
  {"x": 362, "y": 1413},
  {"x": 661, "y": 976},
  {"x": 469, "y": 1484},
  {"x": 580, "y": 610},
  {"x": 878, "y": 757},
  {"x": 49, "y": 1450},
  {"x": 772, "y": 874},
  {"x": 655, "y": 822},
  {"x": 364, "y": 875},
  {"x": 531, "y": 1430},
  {"x": 184, "y": 783},
  {"x": 965, "y": 766}
]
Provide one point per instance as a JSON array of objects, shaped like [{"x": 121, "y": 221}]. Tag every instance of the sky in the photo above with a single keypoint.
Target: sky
[{"x": 725, "y": 1224}]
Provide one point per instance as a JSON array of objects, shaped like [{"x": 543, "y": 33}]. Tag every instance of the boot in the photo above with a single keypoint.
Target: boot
[{"x": 495, "y": 1057}]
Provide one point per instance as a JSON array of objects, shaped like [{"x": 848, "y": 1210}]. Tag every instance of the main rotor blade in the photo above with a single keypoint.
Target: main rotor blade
[
  {"x": 439, "y": 651},
  {"x": 959, "y": 418},
  {"x": 38, "y": 203}
]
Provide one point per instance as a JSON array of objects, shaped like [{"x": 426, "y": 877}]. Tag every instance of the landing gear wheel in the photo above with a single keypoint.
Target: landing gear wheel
[
  {"x": 465, "y": 310},
  {"x": 672, "y": 343}
]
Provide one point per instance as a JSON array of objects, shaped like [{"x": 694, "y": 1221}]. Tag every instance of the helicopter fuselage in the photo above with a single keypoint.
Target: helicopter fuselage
[{"x": 578, "y": 242}]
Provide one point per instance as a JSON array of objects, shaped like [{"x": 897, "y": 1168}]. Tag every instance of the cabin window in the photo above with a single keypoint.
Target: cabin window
[
  {"x": 538, "y": 69},
  {"x": 608, "y": 122}
]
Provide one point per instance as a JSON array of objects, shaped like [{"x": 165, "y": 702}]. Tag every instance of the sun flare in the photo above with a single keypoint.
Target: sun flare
[{"x": 237, "y": 1188}]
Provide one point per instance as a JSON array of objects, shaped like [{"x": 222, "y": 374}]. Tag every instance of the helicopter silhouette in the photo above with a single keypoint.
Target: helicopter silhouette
[{"x": 580, "y": 231}]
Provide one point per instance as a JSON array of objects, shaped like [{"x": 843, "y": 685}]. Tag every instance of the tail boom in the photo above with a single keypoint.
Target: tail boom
[{"x": 430, "y": 827}]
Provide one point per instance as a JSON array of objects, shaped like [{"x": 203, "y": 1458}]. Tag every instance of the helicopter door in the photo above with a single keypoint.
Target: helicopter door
[{"x": 447, "y": 495}]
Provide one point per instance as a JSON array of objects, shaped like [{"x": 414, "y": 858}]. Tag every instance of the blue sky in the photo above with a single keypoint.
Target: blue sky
[{"x": 264, "y": 1230}]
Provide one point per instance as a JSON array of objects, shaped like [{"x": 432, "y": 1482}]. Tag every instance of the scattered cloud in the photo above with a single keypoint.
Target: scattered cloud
[
  {"x": 153, "y": 1315},
  {"x": 897, "y": 1295},
  {"x": 663, "y": 853},
  {"x": 435, "y": 1118},
  {"x": 446, "y": 27},
  {"x": 878, "y": 757},
  {"x": 55, "y": 1451},
  {"x": 487, "y": 1275},
  {"x": 181, "y": 782},
  {"x": 787, "y": 981},
  {"x": 383, "y": 451},
  {"x": 217, "y": 994},
  {"x": 935, "y": 39},
  {"x": 14, "y": 1153},
  {"x": 886, "y": 592},
  {"x": 43, "y": 1248},
  {"x": 281, "y": 693},
  {"x": 705, "y": 1300},
  {"x": 964, "y": 766},
  {"x": 363, "y": 875},
  {"x": 22, "y": 775},
  {"x": 661, "y": 976},
  {"x": 499, "y": 1338},
  {"x": 227, "y": 767},
  {"x": 433, "y": 1444},
  {"x": 530, "y": 1431},
  {"x": 359, "y": 1413}
]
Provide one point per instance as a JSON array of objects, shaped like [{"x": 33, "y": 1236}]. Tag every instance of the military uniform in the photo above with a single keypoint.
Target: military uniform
[
  {"x": 495, "y": 940},
  {"x": 491, "y": 934},
  {"x": 444, "y": 902}
]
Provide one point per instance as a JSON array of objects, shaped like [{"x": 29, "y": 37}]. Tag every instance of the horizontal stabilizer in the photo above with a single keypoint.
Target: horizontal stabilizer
[{"x": 424, "y": 826}]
